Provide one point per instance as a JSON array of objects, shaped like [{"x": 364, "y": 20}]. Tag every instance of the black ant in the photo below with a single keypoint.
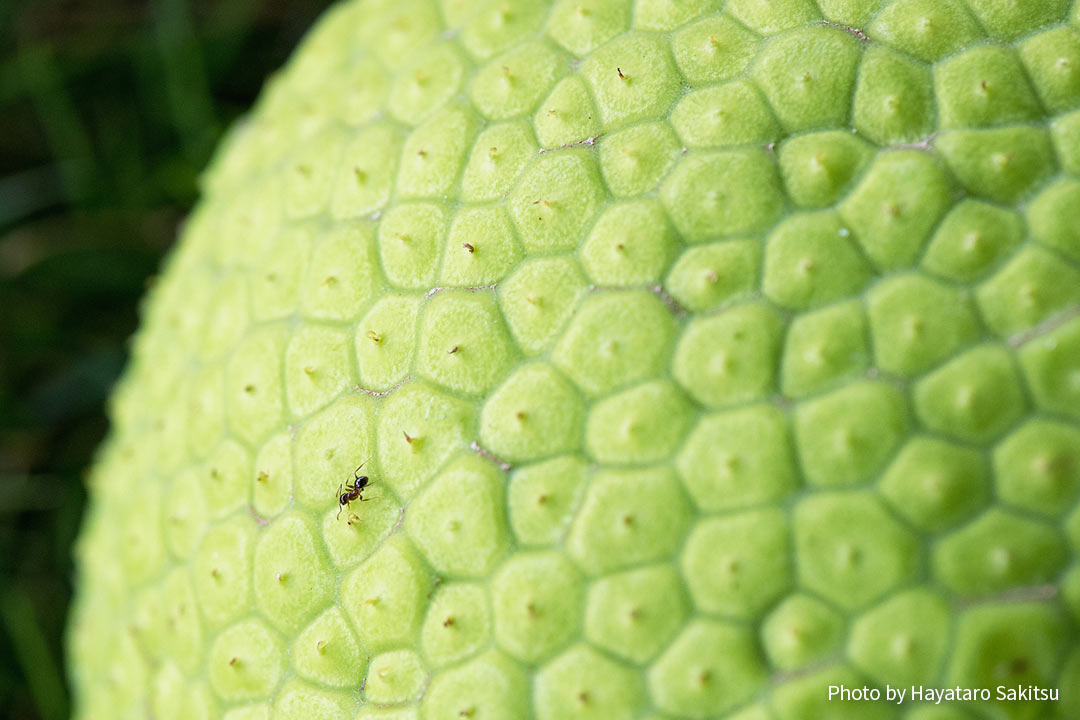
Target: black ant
[{"x": 353, "y": 490}]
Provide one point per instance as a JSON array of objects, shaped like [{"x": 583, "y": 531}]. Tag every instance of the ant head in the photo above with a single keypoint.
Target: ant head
[{"x": 361, "y": 481}]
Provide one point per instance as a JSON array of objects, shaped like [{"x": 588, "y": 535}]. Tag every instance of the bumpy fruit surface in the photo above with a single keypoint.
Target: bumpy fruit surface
[{"x": 701, "y": 354}]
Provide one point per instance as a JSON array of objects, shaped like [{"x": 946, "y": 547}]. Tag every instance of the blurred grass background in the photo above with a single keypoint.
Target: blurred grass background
[{"x": 109, "y": 109}]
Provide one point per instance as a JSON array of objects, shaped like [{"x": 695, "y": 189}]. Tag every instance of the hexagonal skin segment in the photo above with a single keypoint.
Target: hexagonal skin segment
[
  {"x": 536, "y": 413},
  {"x": 582, "y": 684},
  {"x": 730, "y": 114},
  {"x": 537, "y": 600},
  {"x": 317, "y": 367},
  {"x": 915, "y": 322},
  {"x": 567, "y": 115},
  {"x": 723, "y": 193},
  {"x": 329, "y": 447},
  {"x": 343, "y": 276},
  {"x": 1048, "y": 216},
  {"x": 628, "y": 517},
  {"x": 434, "y": 153},
  {"x": 481, "y": 248},
  {"x": 292, "y": 578},
  {"x": 850, "y": 550},
  {"x": 514, "y": 83},
  {"x": 245, "y": 662},
  {"x": 739, "y": 458},
  {"x": 410, "y": 238},
  {"x": 491, "y": 686},
  {"x": 713, "y": 49},
  {"x": 1001, "y": 164},
  {"x": 397, "y": 676},
  {"x": 808, "y": 76},
  {"x": 415, "y": 92},
  {"x": 800, "y": 631},
  {"x": 810, "y": 260},
  {"x": 707, "y": 276},
  {"x": 768, "y": 18},
  {"x": 895, "y": 206},
  {"x": 464, "y": 344},
  {"x": 634, "y": 160},
  {"x": 845, "y": 437},
  {"x": 974, "y": 397},
  {"x": 1051, "y": 366},
  {"x": 1051, "y": 59},
  {"x": 458, "y": 520},
  {"x": 326, "y": 652},
  {"x": 254, "y": 399},
  {"x": 737, "y": 565},
  {"x": 542, "y": 498},
  {"x": 632, "y": 78},
  {"x": 823, "y": 347},
  {"x": 999, "y": 551},
  {"x": 818, "y": 167},
  {"x": 971, "y": 240},
  {"x": 893, "y": 100},
  {"x": 983, "y": 86},
  {"x": 385, "y": 342},
  {"x": 927, "y": 29},
  {"x": 636, "y": 613},
  {"x": 1008, "y": 22},
  {"x": 934, "y": 484},
  {"x": 557, "y": 194},
  {"x": 385, "y": 597},
  {"x": 581, "y": 26},
  {"x": 631, "y": 244},
  {"x": 1010, "y": 645},
  {"x": 501, "y": 152},
  {"x": 538, "y": 299},
  {"x": 1035, "y": 285},
  {"x": 222, "y": 570},
  {"x": 457, "y": 624},
  {"x": 366, "y": 178},
  {"x": 1065, "y": 133},
  {"x": 904, "y": 640},
  {"x": 711, "y": 667},
  {"x": 615, "y": 338},
  {"x": 1037, "y": 468},
  {"x": 640, "y": 425},
  {"x": 419, "y": 428},
  {"x": 729, "y": 358}
]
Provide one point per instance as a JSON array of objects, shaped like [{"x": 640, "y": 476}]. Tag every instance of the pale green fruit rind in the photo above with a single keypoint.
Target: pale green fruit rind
[{"x": 700, "y": 355}]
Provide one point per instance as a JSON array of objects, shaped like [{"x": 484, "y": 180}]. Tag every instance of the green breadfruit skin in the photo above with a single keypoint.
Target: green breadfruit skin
[{"x": 701, "y": 354}]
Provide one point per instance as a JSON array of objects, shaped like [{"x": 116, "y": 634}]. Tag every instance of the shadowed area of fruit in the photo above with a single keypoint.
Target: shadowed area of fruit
[{"x": 700, "y": 355}]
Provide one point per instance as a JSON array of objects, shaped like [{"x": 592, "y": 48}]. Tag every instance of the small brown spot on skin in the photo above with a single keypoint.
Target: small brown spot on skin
[
  {"x": 372, "y": 601},
  {"x": 628, "y": 520},
  {"x": 618, "y": 247},
  {"x": 493, "y": 152},
  {"x": 361, "y": 176},
  {"x": 621, "y": 76},
  {"x": 321, "y": 646},
  {"x": 531, "y": 610},
  {"x": 215, "y": 474},
  {"x": 374, "y": 337},
  {"x": 703, "y": 677},
  {"x": 214, "y": 573},
  {"x": 249, "y": 389},
  {"x": 233, "y": 662},
  {"x": 583, "y": 697},
  {"x": 282, "y": 577},
  {"x": 635, "y": 613},
  {"x": 330, "y": 280},
  {"x": 448, "y": 622},
  {"x": 541, "y": 499},
  {"x": 467, "y": 712},
  {"x": 452, "y": 350},
  {"x": 408, "y": 438},
  {"x": 421, "y": 152},
  {"x": 468, "y": 247},
  {"x": 520, "y": 415},
  {"x": 263, "y": 476}
]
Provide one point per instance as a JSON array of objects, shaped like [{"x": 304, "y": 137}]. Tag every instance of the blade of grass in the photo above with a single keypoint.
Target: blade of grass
[
  {"x": 56, "y": 112},
  {"x": 190, "y": 100},
  {"x": 39, "y": 667}
]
